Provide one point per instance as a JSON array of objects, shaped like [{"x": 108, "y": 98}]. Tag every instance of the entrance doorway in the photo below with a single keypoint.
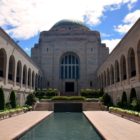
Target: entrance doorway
[{"x": 69, "y": 87}]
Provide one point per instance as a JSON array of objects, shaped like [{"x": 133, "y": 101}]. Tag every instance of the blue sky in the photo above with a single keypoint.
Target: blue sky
[{"x": 24, "y": 20}]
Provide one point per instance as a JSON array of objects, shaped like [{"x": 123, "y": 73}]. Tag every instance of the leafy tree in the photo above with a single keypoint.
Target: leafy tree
[
  {"x": 30, "y": 100},
  {"x": 107, "y": 100},
  {"x": 2, "y": 100},
  {"x": 13, "y": 99}
]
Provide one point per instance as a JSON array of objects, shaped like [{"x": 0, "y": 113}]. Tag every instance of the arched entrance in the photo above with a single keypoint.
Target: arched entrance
[{"x": 69, "y": 73}]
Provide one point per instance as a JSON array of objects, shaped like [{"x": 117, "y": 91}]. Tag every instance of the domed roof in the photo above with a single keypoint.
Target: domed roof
[{"x": 70, "y": 24}]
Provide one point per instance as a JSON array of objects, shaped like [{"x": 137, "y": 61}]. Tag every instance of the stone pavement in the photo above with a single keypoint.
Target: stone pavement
[
  {"x": 11, "y": 128},
  {"x": 113, "y": 127}
]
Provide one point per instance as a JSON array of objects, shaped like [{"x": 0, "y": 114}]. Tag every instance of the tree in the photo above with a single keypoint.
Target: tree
[
  {"x": 2, "y": 100},
  {"x": 13, "y": 99},
  {"x": 30, "y": 100}
]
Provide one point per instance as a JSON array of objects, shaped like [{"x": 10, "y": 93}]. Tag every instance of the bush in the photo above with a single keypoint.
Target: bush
[
  {"x": 51, "y": 92},
  {"x": 91, "y": 93},
  {"x": 2, "y": 100},
  {"x": 13, "y": 99},
  {"x": 124, "y": 111},
  {"x": 30, "y": 100},
  {"x": 69, "y": 98},
  {"x": 40, "y": 93},
  {"x": 106, "y": 99},
  {"x": 135, "y": 104},
  {"x": 44, "y": 94}
]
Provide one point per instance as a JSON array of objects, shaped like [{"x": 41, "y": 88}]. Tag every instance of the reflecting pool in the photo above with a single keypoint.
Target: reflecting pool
[{"x": 63, "y": 126}]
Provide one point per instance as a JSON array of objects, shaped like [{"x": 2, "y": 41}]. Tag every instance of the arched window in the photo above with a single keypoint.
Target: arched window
[
  {"x": 24, "y": 74},
  {"x": 112, "y": 74},
  {"x": 123, "y": 67},
  {"x": 69, "y": 68},
  {"x": 131, "y": 63},
  {"x": 18, "y": 75},
  {"x": 117, "y": 73},
  {"x": 3, "y": 59},
  {"x": 11, "y": 71}
]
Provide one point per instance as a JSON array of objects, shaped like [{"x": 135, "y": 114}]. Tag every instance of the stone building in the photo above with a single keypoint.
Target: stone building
[
  {"x": 120, "y": 72},
  {"x": 17, "y": 71},
  {"x": 69, "y": 55}
]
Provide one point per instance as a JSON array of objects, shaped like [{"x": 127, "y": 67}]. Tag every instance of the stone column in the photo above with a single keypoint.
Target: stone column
[
  {"x": 137, "y": 66},
  {"x": 6, "y": 70},
  {"x": 21, "y": 76},
  {"x": 15, "y": 73},
  {"x": 26, "y": 82}
]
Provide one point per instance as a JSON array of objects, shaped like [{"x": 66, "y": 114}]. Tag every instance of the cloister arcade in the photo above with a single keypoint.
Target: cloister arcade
[
  {"x": 18, "y": 74},
  {"x": 108, "y": 77},
  {"x": 120, "y": 72}
]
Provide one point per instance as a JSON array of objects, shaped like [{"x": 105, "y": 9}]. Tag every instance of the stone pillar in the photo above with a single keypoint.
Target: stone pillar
[
  {"x": 127, "y": 70},
  {"x": 137, "y": 66},
  {"x": 21, "y": 75},
  {"x": 15, "y": 73},
  {"x": 7, "y": 68},
  {"x": 30, "y": 81},
  {"x": 26, "y": 82}
]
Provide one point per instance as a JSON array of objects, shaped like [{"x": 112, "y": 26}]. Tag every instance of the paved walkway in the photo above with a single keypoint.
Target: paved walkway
[
  {"x": 113, "y": 127},
  {"x": 13, "y": 127}
]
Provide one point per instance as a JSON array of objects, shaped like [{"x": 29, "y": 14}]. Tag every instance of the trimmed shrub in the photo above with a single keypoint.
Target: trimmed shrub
[
  {"x": 44, "y": 94},
  {"x": 13, "y": 99},
  {"x": 135, "y": 104},
  {"x": 106, "y": 99},
  {"x": 68, "y": 98},
  {"x": 51, "y": 92},
  {"x": 40, "y": 93},
  {"x": 2, "y": 100},
  {"x": 30, "y": 100},
  {"x": 91, "y": 93},
  {"x": 132, "y": 94}
]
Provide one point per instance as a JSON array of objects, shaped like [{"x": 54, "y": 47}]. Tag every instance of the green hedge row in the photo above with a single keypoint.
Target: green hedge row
[
  {"x": 91, "y": 93},
  {"x": 79, "y": 98},
  {"x": 124, "y": 111},
  {"x": 46, "y": 93}
]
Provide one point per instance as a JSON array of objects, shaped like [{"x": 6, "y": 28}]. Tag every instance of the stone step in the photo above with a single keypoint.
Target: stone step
[{"x": 87, "y": 106}]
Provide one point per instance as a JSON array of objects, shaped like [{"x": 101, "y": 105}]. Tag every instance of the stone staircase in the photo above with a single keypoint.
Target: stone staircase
[
  {"x": 44, "y": 106},
  {"x": 93, "y": 106},
  {"x": 87, "y": 106}
]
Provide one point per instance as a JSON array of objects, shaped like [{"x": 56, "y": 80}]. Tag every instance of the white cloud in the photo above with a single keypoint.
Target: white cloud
[
  {"x": 128, "y": 22},
  {"x": 28, "y": 17},
  {"x": 111, "y": 43}
]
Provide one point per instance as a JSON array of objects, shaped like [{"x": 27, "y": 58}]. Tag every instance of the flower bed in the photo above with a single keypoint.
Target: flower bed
[
  {"x": 129, "y": 114},
  {"x": 13, "y": 112}
]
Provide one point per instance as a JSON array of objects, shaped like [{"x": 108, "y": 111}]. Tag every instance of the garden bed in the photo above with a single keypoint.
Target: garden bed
[
  {"x": 128, "y": 114},
  {"x": 13, "y": 112}
]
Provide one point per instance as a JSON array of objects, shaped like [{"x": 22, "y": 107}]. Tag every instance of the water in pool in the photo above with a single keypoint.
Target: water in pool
[{"x": 63, "y": 126}]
